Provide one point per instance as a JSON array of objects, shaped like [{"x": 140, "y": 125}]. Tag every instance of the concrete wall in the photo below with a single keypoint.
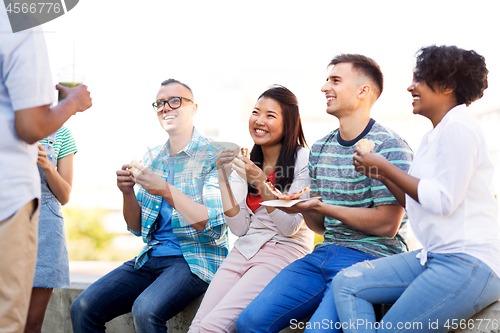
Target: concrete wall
[{"x": 57, "y": 317}]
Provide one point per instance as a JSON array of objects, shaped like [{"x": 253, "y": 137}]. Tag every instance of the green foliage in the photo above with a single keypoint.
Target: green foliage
[{"x": 87, "y": 237}]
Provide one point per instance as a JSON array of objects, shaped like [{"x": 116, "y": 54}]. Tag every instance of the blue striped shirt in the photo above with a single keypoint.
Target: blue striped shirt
[
  {"x": 196, "y": 177},
  {"x": 333, "y": 178}
]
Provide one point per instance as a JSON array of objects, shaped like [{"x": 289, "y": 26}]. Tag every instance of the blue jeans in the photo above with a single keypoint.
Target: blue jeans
[
  {"x": 156, "y": 292},
  {"x": 428, "y": 298},
  {"x": 300, "y": 290}
]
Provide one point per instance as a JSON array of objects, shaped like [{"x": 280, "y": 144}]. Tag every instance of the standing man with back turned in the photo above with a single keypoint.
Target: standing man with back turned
[
  {"x": 358, "y": 216},
  {"x": 26, "y": 116}
]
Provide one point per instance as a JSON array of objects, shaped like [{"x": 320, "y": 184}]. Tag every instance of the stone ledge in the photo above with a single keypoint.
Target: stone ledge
[
  {"x": 57, "y": 317},
  {"x": 486, "y": 321}
]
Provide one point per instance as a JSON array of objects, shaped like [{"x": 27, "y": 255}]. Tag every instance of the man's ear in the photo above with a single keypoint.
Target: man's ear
[
  {"x": 364, "y": 91},
  {"x": 195, "y": 108}
]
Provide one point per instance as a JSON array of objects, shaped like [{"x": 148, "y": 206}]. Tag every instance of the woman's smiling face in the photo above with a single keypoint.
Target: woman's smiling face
[
  {"x": 425, "y": 100},
  {"x": 266, "y": 122}
]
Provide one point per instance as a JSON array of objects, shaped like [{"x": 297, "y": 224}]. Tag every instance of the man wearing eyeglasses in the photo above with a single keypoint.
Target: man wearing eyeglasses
[{"x": 178, "y": 212}]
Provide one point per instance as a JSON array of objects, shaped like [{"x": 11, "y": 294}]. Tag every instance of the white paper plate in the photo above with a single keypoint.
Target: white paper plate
[{"x": 284, "y": 203}]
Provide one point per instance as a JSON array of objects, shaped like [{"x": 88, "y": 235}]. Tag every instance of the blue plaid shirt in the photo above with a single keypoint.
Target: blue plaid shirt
[{"x": 196, "y": 177}]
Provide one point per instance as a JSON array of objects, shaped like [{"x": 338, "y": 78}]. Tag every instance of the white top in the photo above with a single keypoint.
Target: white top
[
  {"x": 257, "y": 228},
  {"x": 457, "y": 212},
  {"x": 26, "y": 82}
]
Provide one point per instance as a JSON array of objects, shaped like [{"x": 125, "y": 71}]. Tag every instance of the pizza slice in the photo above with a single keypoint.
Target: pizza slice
[
  {"x": 288, "y": 196},
  {"x": 366, "y": 145},
  {"x": 245, "y": 152},
  {"x": 132, "y": 168},
  {"x": 242, "y": 151}
]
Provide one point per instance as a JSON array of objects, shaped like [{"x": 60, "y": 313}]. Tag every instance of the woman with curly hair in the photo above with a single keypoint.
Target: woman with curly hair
[{"x": 449, "y": 200}]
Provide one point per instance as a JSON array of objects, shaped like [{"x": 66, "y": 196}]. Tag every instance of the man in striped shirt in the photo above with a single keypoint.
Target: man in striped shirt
[
  {"x": 178, "y": 213},
  {"x": 358, "y": 216}
]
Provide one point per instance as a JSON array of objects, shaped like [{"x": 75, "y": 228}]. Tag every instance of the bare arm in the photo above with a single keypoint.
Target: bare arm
[
  {"x": 131, "y": 207},
  {"x": 315, "y": 222},
  {"x": 314, "y": 219},
  {"x": 34, "y": 124},
  {"x": 378, "y": 167},
  {"x": 60, "y": 180},
  {"x": 401, "y": 183},
  {"x": 132, "y": 212},
  {"x": 384, "y": 220}
]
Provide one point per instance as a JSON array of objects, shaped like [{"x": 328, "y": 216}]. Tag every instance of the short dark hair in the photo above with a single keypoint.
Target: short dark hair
[
  {"x": 363, "y": 64},
  {"x": 453, "y": 68},
  {"x": 293, "y": 138},
  {"x": 170, "y": 81}
]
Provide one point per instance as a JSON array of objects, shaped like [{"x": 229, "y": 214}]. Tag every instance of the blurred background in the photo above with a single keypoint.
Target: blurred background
[{"x": 229, "y": 52}]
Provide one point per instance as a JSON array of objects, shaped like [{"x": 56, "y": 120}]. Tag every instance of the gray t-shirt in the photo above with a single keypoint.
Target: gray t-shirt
[{"x": 333, "y": 178}]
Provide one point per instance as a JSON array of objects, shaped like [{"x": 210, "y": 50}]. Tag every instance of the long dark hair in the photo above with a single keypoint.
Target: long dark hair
[{"x": 292, "y": 140}]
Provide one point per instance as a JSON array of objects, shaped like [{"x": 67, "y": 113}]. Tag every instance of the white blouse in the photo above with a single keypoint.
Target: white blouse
[
  {"x": 457, "y": 212},
  {"x": 257, "y": 228}
]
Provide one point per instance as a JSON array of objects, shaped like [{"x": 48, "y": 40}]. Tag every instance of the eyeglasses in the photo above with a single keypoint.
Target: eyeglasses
[{"x": 173, "y": 103}]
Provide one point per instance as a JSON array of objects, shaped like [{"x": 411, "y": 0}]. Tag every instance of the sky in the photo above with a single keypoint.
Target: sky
[{"x": 229, "y": 52}]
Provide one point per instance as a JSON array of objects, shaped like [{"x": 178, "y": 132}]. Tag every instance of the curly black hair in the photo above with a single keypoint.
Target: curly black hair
[{"x": 453, "y": 68}]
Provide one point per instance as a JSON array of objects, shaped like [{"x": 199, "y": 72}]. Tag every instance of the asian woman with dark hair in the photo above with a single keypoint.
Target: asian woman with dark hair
[{"x": 269, "y": 239}]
